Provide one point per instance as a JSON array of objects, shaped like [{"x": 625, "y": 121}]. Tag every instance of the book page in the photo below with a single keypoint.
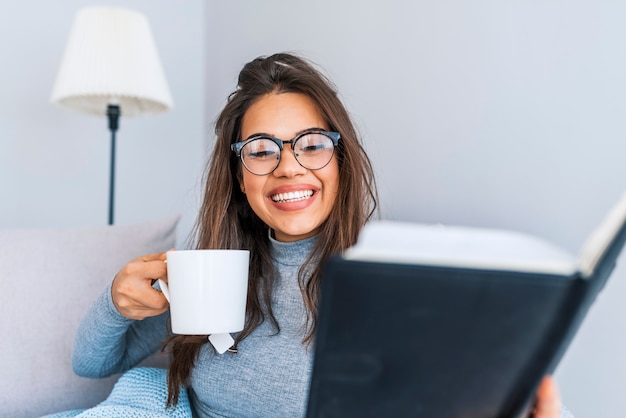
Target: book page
[
  {"x": 599, "y": 241},
  {"x": 455, "y": 246}
]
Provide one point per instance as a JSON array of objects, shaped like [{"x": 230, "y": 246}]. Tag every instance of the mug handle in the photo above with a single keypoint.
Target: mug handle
[{"x": 165, "y": 289}]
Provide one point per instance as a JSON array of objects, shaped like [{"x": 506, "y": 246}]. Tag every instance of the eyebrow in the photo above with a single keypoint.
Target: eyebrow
[{"x": 297, "y": 133}]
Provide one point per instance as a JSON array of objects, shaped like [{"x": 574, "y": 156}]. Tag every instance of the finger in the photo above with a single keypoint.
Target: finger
[
  {"x": 548, "y": 400},
  {"x": 146, "y": 270},
  {"x": 163, "y": 256},
  {"x": 152, "y": 257},
  {"x": 155, "y": 269},
  {"x": 139, "y": 305},
  {"x": 134, "y": 282}
]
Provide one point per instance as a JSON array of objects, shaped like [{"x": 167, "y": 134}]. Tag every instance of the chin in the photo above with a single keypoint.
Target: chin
[{"x": 295, "y": 234}]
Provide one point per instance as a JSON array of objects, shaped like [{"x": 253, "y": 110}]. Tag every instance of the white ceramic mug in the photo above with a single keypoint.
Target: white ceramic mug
[{"x": 207, "y": 291}]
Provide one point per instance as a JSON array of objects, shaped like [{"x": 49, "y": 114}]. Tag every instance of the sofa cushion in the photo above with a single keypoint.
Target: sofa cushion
[{"x": 48, "y": 279}]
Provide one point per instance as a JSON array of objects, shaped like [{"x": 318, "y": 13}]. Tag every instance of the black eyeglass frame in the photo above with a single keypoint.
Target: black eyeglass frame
[{"x": 238, "y": 146}]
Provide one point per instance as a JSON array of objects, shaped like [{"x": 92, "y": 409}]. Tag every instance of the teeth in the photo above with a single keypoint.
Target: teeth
[{"x": 292, "y": 196}]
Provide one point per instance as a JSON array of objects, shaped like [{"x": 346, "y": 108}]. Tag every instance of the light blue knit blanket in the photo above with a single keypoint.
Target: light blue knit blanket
[{"x": 139, "y": 393}]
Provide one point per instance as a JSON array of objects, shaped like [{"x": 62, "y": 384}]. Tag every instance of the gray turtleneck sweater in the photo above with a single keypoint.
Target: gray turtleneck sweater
[{"x": 268, "y": 377}]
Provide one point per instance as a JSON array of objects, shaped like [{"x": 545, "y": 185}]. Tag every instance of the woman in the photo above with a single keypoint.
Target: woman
[{"x": 289, "y": 180}]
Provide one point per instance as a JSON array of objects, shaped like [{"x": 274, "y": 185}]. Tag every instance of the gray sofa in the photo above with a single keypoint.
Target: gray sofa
[{"x": 48, "y": 279}]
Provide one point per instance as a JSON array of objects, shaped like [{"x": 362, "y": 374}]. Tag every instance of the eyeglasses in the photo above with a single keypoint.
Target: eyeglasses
[{"x": 313, "y": 150}]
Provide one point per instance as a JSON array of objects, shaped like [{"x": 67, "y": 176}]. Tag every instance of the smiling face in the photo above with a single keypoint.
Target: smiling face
[{"x": 292, "y": 200}]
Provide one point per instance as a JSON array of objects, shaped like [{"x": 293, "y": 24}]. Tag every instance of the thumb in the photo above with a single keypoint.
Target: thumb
[{"x": 548, "y": 400}]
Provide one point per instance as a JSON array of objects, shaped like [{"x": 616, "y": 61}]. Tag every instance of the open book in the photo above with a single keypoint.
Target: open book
[{"x": 438, "y": 321}]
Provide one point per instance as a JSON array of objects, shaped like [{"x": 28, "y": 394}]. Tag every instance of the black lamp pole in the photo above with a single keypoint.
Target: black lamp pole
[{"x": 113, "y": 113}]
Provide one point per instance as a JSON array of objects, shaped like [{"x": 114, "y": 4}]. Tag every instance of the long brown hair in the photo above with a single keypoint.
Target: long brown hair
[{"x": 226, "y": 220}]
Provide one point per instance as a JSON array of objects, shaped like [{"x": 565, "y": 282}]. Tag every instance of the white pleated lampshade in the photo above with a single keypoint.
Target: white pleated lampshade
[{"x": 111, "y": 58}]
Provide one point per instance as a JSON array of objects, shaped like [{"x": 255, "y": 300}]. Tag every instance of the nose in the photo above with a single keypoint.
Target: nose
[{"x": 288, "y": 166}]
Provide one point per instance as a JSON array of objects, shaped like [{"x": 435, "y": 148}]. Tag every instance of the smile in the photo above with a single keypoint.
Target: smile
[{"x": 292, "y": 196}]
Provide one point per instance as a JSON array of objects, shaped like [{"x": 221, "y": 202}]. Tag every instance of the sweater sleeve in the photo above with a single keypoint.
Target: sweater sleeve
[{"x": 107, "y": 343}]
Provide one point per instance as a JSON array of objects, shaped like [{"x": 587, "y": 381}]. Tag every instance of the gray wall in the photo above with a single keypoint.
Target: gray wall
[
  {"x": 484, "y": 113},
  {"x": 54, "y": 162}
]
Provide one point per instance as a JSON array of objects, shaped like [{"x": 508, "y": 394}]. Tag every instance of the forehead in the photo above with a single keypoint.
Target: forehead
[{"x": 282, "y": 115}]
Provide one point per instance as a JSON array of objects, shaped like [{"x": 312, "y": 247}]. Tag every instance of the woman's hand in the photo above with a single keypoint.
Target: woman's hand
[
  {"x": 548, "y": 402},
  {"x": 132, "y": 291}
]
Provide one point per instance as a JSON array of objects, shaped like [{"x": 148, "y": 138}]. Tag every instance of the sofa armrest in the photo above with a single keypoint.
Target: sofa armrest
[{"x": 48, "y": 279}]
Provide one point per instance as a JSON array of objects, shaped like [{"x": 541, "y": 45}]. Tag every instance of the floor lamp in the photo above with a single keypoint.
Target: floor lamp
[{"x": 111, "y": 67}]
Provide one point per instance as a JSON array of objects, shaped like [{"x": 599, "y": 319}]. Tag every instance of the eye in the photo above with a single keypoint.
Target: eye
[
  {"x": 314, "y": 147},
  {"x": 260, "y": 154},
  {"x": 261, "y": 149},
  {"x": 314, "y": 143}
]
